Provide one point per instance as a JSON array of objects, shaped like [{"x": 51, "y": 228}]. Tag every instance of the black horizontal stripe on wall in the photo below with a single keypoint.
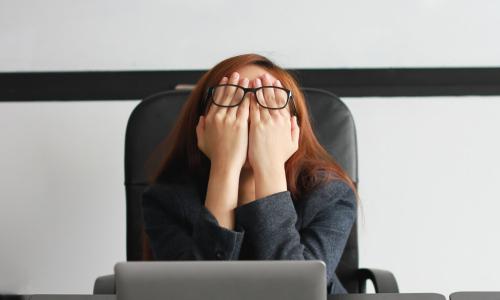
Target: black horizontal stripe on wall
[{"x": 132, "y": 85}]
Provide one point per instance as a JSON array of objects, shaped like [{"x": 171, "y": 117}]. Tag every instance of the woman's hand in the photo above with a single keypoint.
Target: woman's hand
[
  {"x": 273, "y": 138},
  {"x": 223, "y": 137},
  {"x": 223, "y": 133}
]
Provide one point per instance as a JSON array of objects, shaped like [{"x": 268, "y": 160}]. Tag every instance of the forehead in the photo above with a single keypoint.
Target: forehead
[{"x": 252, "y": 71}]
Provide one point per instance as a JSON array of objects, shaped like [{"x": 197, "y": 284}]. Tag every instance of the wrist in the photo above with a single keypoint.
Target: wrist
[
  {"x": 224, "y": 168},
  {"x": 269, "y": 181},
  {"x": 269, "y": 171},
  {"x": 222, "y": 190}
]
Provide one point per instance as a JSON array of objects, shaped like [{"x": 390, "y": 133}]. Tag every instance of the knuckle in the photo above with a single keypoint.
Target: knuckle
[
  {"x": 229, "y": 120},
  {"x": 209, "y": 119},
  {"x": 218, "y": 117},
  {"x": 240, "y": 122}
]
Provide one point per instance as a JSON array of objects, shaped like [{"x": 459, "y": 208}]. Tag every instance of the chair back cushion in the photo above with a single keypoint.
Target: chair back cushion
[{"x": 154, "y": 117}]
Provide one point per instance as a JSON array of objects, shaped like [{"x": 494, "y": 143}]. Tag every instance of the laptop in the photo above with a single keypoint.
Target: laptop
[{"x": 221, "y": 280}]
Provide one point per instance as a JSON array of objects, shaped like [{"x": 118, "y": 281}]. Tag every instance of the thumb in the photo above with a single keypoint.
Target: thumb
[
  {"x": 200, "y": 127},
  {"x": 201, "y": 121},
  {"x": 295, "y": 131}
]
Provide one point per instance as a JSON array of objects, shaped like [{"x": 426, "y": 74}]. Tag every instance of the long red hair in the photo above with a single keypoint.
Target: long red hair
[{"x": 182, "y": 160}]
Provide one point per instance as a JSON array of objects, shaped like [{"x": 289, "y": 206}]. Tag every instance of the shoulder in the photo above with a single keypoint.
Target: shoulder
[
  {"x": 334, "y": 198},
  {"x": 332, "y": 190}
]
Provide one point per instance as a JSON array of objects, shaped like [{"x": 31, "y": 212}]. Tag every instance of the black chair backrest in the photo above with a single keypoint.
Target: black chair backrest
[{"x": 154, "y": 117}]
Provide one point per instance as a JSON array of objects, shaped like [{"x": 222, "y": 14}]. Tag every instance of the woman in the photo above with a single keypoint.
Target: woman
[{"x": 245, "y": 178}]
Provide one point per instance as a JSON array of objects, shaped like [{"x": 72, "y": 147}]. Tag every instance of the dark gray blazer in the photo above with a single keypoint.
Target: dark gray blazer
[{"x": 270, "y": 228}]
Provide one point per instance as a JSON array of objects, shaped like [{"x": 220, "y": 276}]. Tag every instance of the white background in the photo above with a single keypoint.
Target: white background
[{"x": 428, "y": 166}]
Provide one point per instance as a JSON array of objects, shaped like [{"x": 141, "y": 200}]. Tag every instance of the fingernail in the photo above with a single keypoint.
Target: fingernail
[
  {"x": 236, "y": 75},
  {"x": 277, "y": 82}
]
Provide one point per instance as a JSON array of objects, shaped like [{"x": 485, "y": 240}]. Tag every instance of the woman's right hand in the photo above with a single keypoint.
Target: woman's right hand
[{"x": 223, "y": 133}]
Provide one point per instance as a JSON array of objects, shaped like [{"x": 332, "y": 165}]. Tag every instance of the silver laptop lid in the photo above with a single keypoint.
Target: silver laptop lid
[{"x": 221, "y": 280}]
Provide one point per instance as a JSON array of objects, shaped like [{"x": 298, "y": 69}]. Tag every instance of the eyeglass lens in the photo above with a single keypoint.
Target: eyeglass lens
[{"x": 269, "y": 97}]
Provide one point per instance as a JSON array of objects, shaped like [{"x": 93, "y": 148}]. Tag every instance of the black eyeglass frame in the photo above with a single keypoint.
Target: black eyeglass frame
[{"x": 210, "y": 90}]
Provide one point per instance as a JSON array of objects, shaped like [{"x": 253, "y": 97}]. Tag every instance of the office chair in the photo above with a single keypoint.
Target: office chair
[{"x": 153, "y": 118}]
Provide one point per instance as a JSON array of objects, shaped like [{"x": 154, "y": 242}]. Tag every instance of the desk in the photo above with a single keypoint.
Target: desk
[
  {"x": 412, "y": 296},
  {"x": 383, "y": 296},
  {"x": 70, "y": 297},
  {"x": 475, "y": 296}
]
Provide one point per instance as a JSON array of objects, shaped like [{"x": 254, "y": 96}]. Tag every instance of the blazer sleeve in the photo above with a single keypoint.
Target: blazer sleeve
[
  {"x": 172, "y": 238},
  {"x": 329, "y": 213}
]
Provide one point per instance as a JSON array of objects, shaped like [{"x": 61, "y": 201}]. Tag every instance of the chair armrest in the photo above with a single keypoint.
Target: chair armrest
[
  {"x": 383, "y": 281},
  {"x": 105, "y": 285}
]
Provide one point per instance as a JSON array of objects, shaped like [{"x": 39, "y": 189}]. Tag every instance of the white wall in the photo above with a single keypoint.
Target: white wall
[
  {"x": 177, "y": 34},
  {"x": 428, "y": 166},
  {"x": 62, "y": 216},
  {"x": 429, "y": 186}
]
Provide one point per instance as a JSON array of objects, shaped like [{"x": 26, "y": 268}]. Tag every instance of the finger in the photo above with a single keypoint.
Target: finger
[
  {"x": 269, "y": 95},
  {"x": 217, "y": 97},
  {"x": 254, "y": 112},
  {"x": 219, "y": 92},
  {"x": 241, "y": 111},
  {"x": 263, "y": 112},
  {"x": 229, "y": 93},
  {"x": 200, "y": 128},
  {"x": 281, "y": 96}
]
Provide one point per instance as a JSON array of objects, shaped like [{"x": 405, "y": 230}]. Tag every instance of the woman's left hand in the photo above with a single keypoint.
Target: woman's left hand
[{"x": 273, "y": 138}]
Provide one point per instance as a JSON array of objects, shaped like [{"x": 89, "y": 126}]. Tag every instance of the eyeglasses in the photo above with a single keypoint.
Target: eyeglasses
[{"x": 231, "y": 95}]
